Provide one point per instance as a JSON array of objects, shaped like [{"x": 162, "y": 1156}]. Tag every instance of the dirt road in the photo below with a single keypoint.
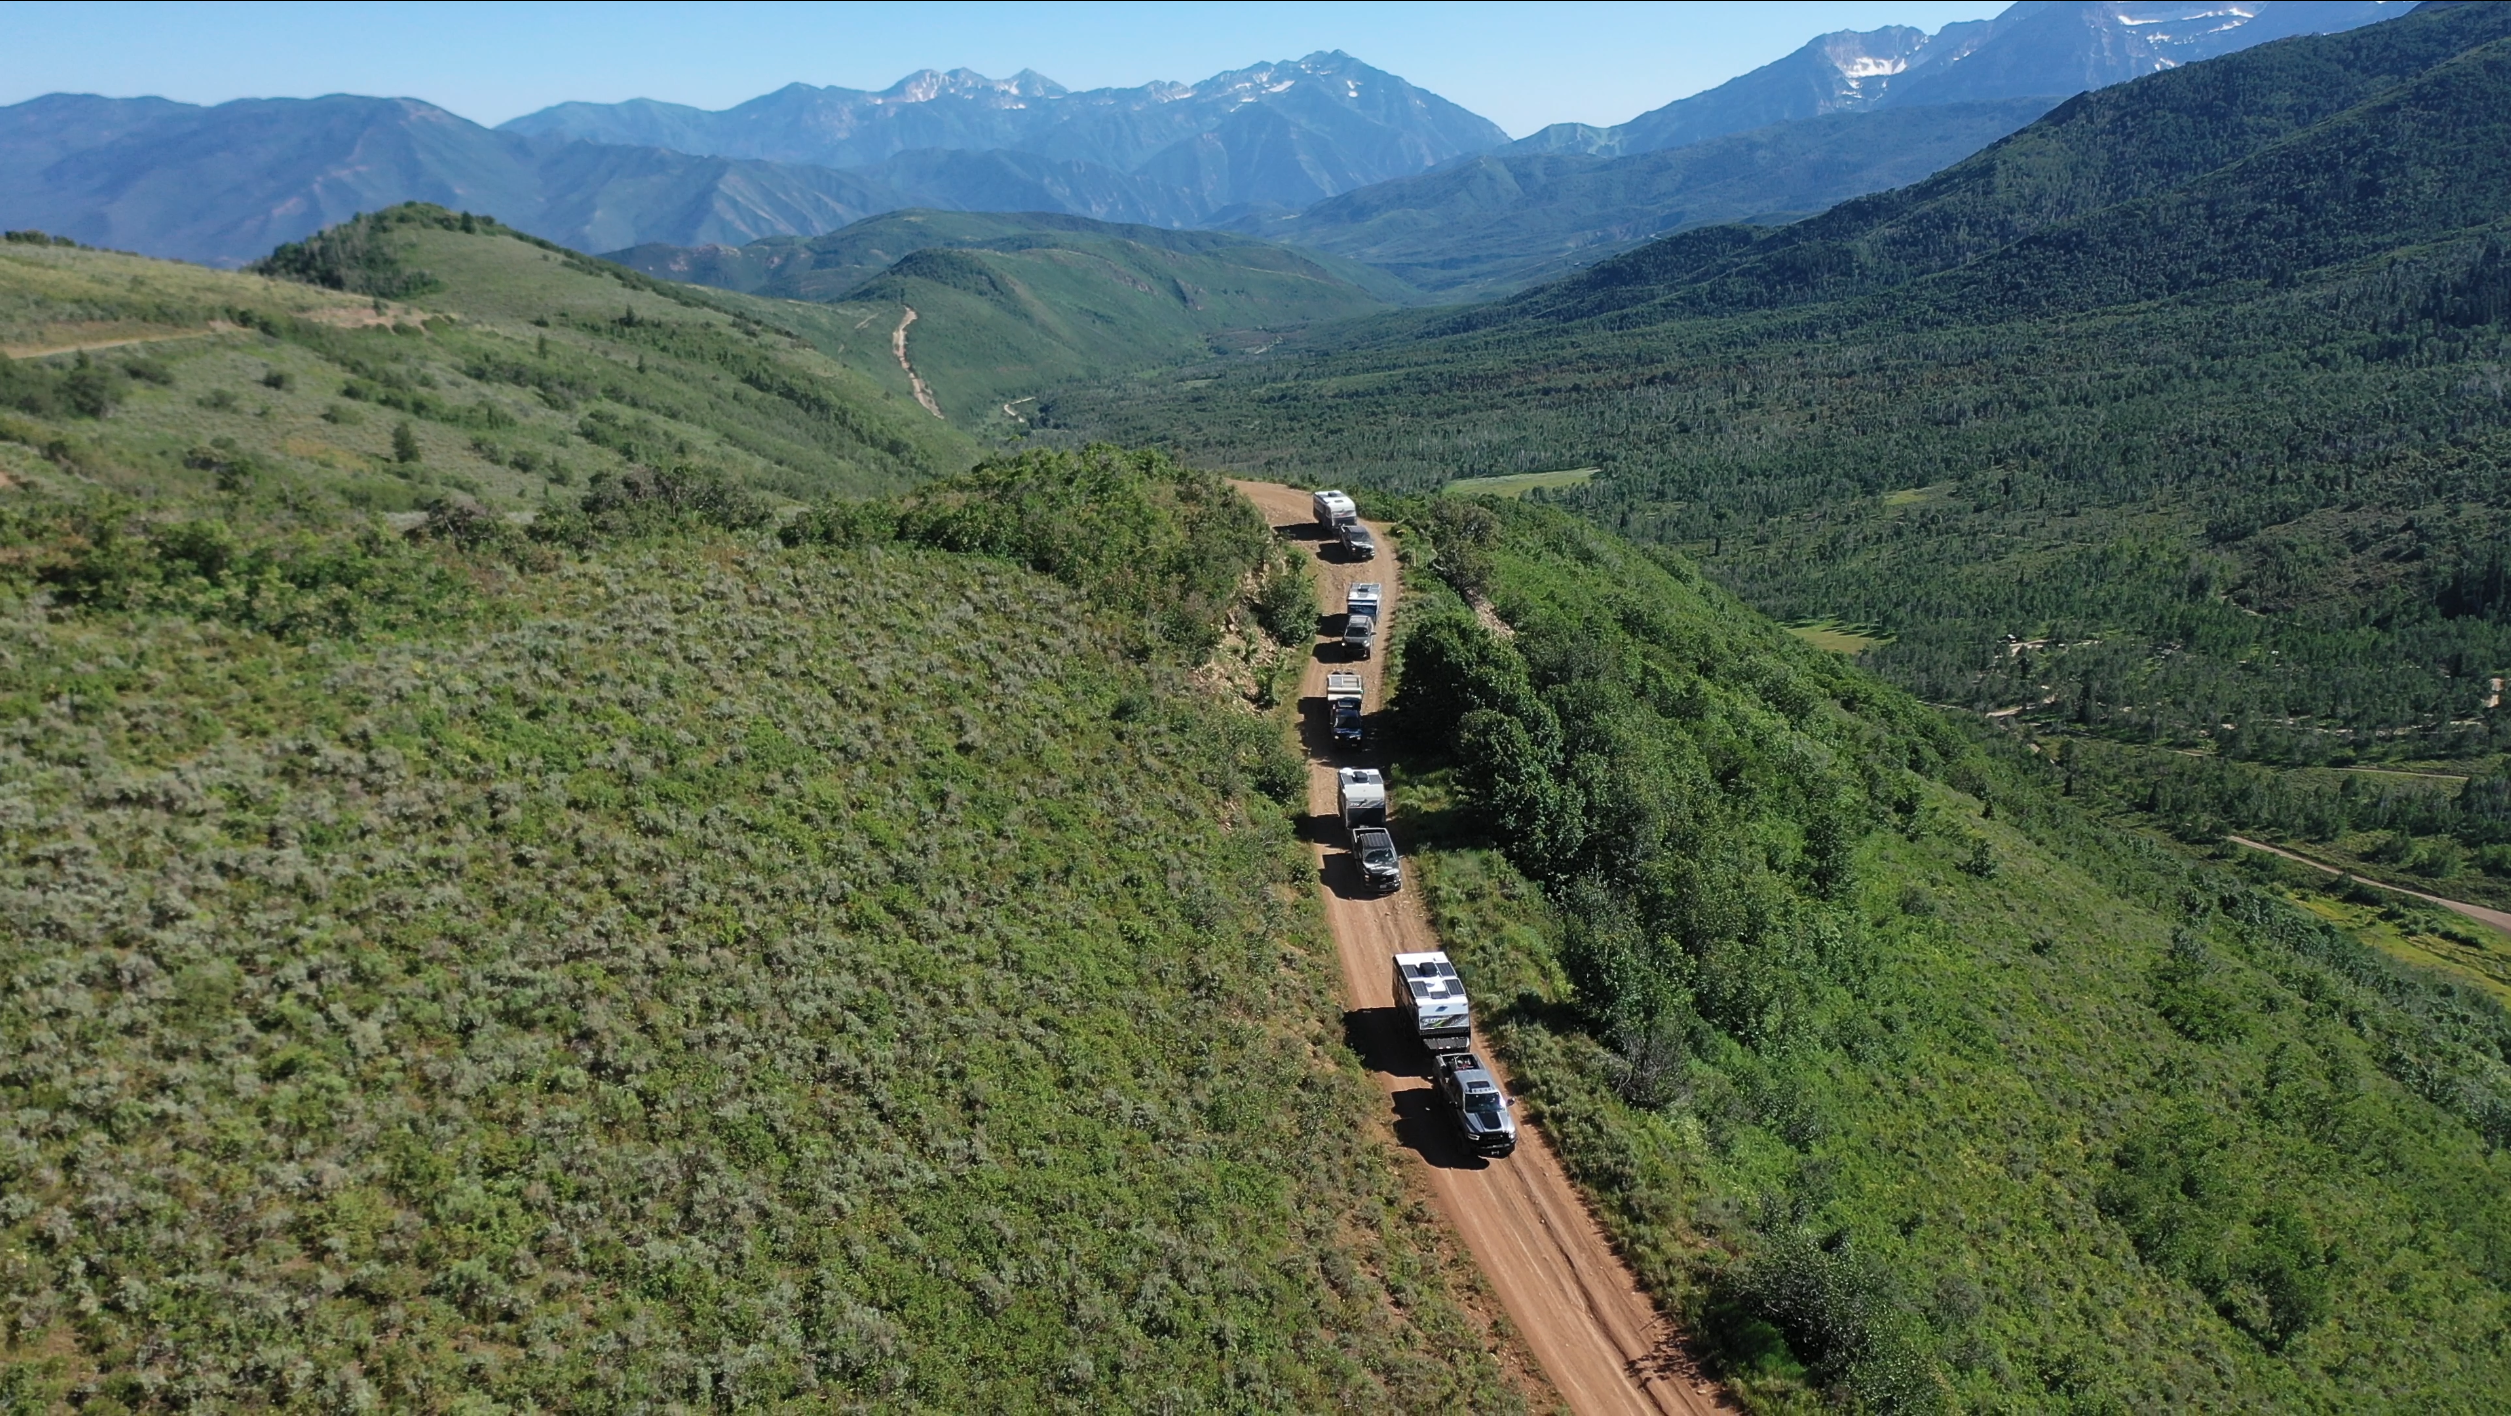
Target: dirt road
[
  {"x": 898, "y": 346},
  {"x": 2499, "y": 919},
  {"x": 1600, "y": 1340}
]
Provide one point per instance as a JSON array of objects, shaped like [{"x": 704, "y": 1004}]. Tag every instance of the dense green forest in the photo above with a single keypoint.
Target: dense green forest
[
  {"x": 1907, "y": 1079},
  {"x": 2176, "y": 418},
  {"x": 623, "y": 955}
]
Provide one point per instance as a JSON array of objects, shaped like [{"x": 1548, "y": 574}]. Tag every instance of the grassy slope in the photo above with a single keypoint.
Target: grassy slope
[
  {"x": 684, "y": 972},
  {"x": 1910, "y": 1123},
  {"x": 499, "y": 396}
]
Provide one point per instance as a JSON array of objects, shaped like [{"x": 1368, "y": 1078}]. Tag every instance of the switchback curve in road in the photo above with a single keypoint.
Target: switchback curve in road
[{"x": 1599, "y": 1339}]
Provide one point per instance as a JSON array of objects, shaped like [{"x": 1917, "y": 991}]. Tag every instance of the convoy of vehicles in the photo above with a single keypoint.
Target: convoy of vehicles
[{"x": 1428, "y": 991}]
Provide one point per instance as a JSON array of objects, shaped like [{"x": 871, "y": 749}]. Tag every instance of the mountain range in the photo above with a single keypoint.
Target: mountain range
[
  {"x": 1324, "y": 151},
  {"x": 1279, "y": 135},
  {"x": 2036, "y": 47}
]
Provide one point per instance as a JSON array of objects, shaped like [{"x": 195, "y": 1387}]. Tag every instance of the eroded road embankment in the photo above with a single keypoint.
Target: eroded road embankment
[{"x": 1598, "y": 1337}]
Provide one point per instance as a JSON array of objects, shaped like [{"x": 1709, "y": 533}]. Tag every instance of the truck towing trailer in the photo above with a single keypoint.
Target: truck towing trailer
[
  {"x": 1473, "y": 1096},
  {"x": 1332, "y": 509},
  {"x": 1342, "y": 702},
  {"x": 1432, "y": 999},
  {"x": 1361, "y": 618}
]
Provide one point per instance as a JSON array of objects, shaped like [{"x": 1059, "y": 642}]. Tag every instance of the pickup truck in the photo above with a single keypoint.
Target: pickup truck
[
  {"x": 1373, "y": 850},
  {"x": 1342, "y": 700},
  {"x": 1358, "y": 544},
  {"x": 1474, "y": 1098},
  {"x": 1360, "y": 635}
]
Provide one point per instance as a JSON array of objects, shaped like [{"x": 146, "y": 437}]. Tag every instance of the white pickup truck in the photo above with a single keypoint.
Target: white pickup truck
[{"x": 1432, "y": 997}]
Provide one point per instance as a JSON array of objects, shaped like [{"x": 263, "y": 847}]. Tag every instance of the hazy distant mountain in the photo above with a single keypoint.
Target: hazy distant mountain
[
  {"x": 2053, "y": 48},
  {"x": 1278, "y": 134},
  {"x": 1502, "y": 220},
  {"x": 224, "y": 185}
]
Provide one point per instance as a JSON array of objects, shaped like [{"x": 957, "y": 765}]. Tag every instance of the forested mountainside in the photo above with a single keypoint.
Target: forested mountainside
[
  {"x": 2174, "y": 419},
  {"x": 1495, "y": 223},
  {"x": 827, "y": 268},
  {"x": 1907, "y": 1081},
  {"x": 623, "y": 958},
  {"x": 993, "y": 311}
]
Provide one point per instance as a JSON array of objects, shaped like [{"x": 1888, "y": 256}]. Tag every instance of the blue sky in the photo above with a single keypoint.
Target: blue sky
[{"x": 1520, "y": 65}]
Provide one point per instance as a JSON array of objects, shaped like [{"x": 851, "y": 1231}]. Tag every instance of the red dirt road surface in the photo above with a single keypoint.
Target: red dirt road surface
[{"x": 1599, "y": 1339}]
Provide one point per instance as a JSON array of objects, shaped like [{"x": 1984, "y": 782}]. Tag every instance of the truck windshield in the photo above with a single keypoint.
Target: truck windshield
[{"x": 1379, "y": 856}]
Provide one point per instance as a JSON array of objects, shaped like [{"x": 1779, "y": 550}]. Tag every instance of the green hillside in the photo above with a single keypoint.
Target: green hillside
[
  {"x": 829, "y": 266},
  {"x": 1011, "y": 306},
  {"x": 1907, "y": 1081},
  {"x": 520, "y": 371},
  {"x": 2173, "y": 420},
  {"x": 621, "y": 959}
]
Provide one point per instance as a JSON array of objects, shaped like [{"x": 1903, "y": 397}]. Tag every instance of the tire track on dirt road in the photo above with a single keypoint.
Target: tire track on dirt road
[{"x": 1599, "y": 1338}]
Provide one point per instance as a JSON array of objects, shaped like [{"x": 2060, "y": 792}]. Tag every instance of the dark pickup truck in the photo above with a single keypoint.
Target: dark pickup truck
[{"x": 1474, "y": 1098}]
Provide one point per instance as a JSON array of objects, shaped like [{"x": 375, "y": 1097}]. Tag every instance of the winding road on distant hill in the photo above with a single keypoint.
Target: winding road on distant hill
[
  {"x": 1599, "y": 1339},
  {"x": 898, "y": 346}
]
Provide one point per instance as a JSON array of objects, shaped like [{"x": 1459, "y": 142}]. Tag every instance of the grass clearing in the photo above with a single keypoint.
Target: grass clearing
[
  {"x": 2457, "y": 946},
  {"x": 1838, "y": 638},
  {"x": 1919, "y": 496},
  {"x": 1517, "y": 484}
]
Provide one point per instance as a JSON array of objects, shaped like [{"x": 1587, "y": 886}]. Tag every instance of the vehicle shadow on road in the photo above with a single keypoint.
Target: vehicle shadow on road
[
  {"x": 1331, "y": 651},
  {"x": 1383, "y": 1044},
  {"x": 1339, "y": 873}
]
